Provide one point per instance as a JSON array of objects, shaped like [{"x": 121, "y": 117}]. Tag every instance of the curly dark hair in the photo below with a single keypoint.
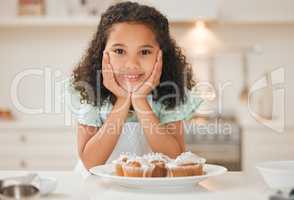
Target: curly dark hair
[{"x": 175, "y": 68}]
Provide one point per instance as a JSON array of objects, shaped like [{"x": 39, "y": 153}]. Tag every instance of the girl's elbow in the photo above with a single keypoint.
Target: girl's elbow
[{"x": 89, "y": 163}]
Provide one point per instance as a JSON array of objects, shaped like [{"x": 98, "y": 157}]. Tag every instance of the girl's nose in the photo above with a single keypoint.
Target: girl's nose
[{"x": 132, "y": 63}]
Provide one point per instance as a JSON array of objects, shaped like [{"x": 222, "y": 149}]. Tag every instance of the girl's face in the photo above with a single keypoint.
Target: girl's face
[{"x": 133, "y": 51}]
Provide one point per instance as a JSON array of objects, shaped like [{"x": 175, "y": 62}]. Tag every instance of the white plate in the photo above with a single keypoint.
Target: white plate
[{"x": 107, "y": 172}]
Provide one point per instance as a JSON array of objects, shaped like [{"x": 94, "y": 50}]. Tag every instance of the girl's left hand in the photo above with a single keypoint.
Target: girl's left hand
[{"x": 154, "y": 80}]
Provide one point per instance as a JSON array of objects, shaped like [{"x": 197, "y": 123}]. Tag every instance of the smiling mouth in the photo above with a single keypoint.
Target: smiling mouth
[{"x": 132, "y": 77}]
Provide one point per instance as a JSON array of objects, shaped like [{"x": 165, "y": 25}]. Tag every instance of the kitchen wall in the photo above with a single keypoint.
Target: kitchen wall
[
  {"x": 26, "y": 48},
  {"x": 243, "y": 26}
]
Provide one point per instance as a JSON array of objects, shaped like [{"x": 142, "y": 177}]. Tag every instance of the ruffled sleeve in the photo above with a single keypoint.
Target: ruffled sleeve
[
  {"x": 183, "y": 111},
  {"x": 84, "y": 113}
]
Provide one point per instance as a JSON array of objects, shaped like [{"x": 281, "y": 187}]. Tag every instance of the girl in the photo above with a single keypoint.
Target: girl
[{"x": 132, "y": 89}]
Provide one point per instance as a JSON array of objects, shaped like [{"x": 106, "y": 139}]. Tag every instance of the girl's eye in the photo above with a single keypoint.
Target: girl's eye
[
  {"x": 146, "y": 52},
  {"x": 119, "y": 51}
]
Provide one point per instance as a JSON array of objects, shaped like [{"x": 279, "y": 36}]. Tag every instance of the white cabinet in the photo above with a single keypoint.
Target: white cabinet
[
  {"x": 261, "y": 11},
  {"x": 185, "y": 10},
  {"x": 37, "y": 149},
  {"x": 175, "y": 10}
]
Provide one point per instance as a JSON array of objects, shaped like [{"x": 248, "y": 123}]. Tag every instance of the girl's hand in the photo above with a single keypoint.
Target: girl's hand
[
  {"x": 154, "y": 80},
  {"x": 109, "y": 80}
]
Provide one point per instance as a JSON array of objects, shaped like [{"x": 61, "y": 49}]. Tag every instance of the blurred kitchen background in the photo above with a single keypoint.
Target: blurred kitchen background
[{"x": 238, "y": 49}]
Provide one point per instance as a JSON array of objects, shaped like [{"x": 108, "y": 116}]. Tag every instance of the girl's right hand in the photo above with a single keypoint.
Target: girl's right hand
[{"x": 109, "y": 80}]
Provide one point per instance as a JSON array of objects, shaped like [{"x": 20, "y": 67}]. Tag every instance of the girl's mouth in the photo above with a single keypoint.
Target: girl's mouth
[{"x": 132, "y": 77}]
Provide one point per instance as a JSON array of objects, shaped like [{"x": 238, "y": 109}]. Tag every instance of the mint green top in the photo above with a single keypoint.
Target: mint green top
[{"x": 88, "y": 114}]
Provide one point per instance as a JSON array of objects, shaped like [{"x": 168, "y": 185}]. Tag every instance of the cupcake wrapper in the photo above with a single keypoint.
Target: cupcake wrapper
[
  {"x": 119, "y": 170},
  {"x": 136, "y": 171},
  {"x": 190, "y": 170}
]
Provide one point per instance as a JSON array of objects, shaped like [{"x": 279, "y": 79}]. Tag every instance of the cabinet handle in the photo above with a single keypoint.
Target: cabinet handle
[
  {"x": 23, "y": 139},
  {"x": 23, "y": 164}
]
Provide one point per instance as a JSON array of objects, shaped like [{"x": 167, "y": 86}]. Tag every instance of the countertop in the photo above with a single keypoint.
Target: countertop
[{"x": 230, "y": 186}]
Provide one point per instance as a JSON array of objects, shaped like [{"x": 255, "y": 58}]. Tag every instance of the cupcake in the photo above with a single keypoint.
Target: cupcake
[
  {"x": 123, "y": 159},
  {"x": 137, "y": 167},
  {"x": 158, "y": 161},
  {"x": 186, "y": 164}
]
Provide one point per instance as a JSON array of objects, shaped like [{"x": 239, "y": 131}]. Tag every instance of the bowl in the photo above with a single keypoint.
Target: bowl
[
  {"x": 19, "y": 191},
  {"x": 278, "y": 174}
]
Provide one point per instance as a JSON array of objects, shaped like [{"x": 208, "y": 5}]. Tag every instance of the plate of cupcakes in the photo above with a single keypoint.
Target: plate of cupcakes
[{"x": 157, "y": 170}]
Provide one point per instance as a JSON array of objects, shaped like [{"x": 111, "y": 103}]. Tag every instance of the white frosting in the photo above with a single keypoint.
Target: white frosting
[
  {"x": 188, "y": 158},
  {"x": 171, "y": 164},
  {"x": 146, "y": 166},
  {"x": 145, "y": 160},
  {"x": 144, "y": 163},
  {"x": 156, "y": 156},
  {"x": 124, "y": 155}
]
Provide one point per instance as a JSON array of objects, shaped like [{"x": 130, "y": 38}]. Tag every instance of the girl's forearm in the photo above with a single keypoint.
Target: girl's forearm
[
  {"x": 100, "y": 146},
  {"x": 159, "y": 138}
]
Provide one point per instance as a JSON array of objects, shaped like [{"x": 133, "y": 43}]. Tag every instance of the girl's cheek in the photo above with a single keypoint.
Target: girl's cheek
[
  {"x": 148, "y": 64},
  {"x": 117, "y": 61}
]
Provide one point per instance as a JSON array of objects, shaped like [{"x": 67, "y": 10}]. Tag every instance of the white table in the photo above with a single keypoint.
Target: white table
[{"x": 230, "y": 186}]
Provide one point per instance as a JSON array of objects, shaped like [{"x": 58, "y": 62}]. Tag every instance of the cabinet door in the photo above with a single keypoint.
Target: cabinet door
[
  {"x": 37, "y": 149},
  {"x": 35, "y": 162}
]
